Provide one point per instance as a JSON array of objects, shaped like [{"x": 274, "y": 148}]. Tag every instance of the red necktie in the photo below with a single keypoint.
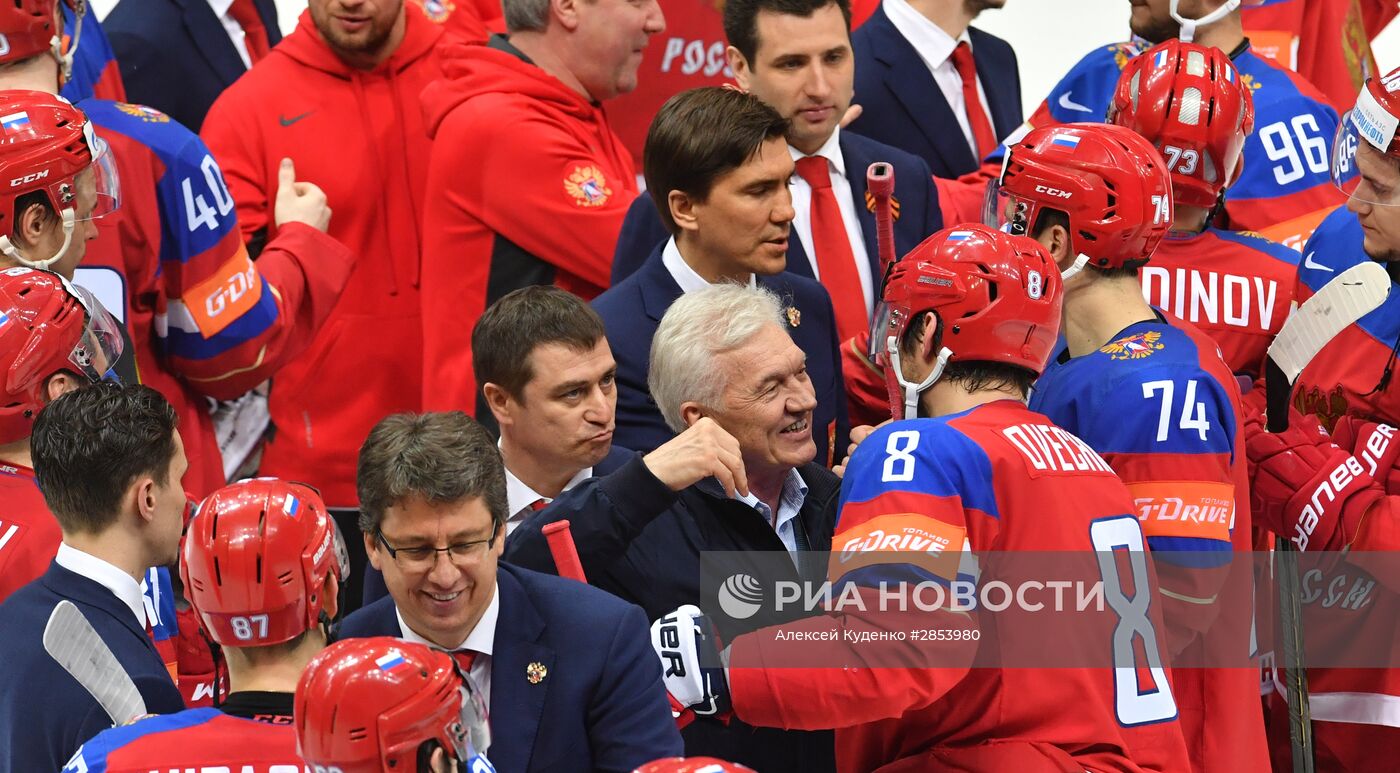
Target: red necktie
[
  {"x": 464, "y": 659},
  {"x": 254, "y": 33},
  {"x": 972, "y": 104},
  {"x": 539, "y": 504},
  {"x": 836, "y": 264}
]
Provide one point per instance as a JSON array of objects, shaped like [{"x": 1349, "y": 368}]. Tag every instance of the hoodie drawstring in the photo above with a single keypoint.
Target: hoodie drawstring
[{"x": 414, "y": 193}]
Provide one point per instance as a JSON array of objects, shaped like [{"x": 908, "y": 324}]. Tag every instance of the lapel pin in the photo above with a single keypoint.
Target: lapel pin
[
  {"x": 536, "y": 672},
  {"x": 794, "y": 316}
]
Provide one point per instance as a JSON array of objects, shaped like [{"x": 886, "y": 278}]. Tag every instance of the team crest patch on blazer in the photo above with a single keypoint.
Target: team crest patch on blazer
[
  {"x": 587, "y": 186},
  {"x": 794, "y": 316},
  {"x": 536, "y": 672}
]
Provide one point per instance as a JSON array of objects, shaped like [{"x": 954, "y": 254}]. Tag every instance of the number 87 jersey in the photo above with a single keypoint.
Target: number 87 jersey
[{"x": 1162, "y": 408}]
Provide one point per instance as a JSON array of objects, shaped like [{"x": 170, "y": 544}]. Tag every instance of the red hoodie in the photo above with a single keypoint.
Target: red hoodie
[
  {"x": 529, "y": 185},
  {"x": 360, "y": 136}
]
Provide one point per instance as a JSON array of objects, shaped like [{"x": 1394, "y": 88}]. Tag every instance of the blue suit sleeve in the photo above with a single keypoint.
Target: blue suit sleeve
[
  {"x": 630, "y": 723},
  {"x": 605, "y": 514}
]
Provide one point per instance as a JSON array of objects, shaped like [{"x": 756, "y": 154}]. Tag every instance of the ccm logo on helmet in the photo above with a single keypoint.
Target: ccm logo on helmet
[
  {"x": 29, "y": 178},
  {"x": 1056, "y": 192}
]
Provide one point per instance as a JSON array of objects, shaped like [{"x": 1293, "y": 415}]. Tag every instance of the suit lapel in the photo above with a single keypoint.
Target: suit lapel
[
  {"x": 516, "y": 704},
  {"x": 659, "y": 290},
  {"x": 267, "y": 11},
  {"x": 797, "y": 260},
  {"x": 909, "y": 80},
  {"x": 212, "y": 39},
  {"x": 1001, "y": 105},
  {"x": 857, "y": 163}
]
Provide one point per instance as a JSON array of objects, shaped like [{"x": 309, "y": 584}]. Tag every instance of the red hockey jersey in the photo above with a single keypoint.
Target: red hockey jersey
[
  {"x": 196, "y": 739},
  {"x": 919, "y": 499},
  {"x": 1234, "y": 286},
  {"x": 29, "y": 535}
]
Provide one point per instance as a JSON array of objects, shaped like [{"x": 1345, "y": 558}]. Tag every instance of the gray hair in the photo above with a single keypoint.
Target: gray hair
[
  {"x": 526, "y": 15},
  {"x": 697, "y": 327}
]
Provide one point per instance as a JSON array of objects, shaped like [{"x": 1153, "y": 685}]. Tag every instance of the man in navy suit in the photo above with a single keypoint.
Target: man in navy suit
[
  {"x": 570, "y": 680},
  {"x": 717, "y": 166},
  {"x": 108, "y": 460},
  {"x": 931, "y": 84},
  {"x": 796, "y": 56},
  {"x": 178, "y": 56}
]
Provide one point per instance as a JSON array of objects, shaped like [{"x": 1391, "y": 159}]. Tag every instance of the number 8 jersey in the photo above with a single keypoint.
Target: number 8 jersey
[
  {"x": 993, "y": 480},
  {"x": 1161, "y": 407}
]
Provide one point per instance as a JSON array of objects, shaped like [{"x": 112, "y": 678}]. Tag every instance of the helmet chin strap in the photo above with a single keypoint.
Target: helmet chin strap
[
  {"x": 1189, "y": 26},
  {"x": 1075, "y": 268},
  {"x": 69, "y": 220},
  {"x": 910, "y": 391}
]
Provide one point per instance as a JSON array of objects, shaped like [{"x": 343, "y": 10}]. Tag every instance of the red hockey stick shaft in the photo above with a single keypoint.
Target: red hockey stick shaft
[
  {"x": 561, "y": 546},
  {"x": 879, "y": 180}
]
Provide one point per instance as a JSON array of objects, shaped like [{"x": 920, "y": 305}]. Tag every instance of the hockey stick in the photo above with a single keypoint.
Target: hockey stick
[
  {"x": 71, "y": 641},
  {"x": 1352, "y": 295},
  {"x": 879, "y": 181},
  {"x": 564, "y": 551}
]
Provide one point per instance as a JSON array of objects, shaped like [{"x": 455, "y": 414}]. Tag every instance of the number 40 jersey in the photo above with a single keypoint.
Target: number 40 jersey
[{"x": 1161, "y": 407}]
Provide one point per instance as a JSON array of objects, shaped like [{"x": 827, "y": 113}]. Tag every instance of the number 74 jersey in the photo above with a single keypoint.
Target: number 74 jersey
[{"x": 1161, "y": 407}]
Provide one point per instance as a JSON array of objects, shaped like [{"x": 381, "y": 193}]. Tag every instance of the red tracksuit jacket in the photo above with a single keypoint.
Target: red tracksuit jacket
[
  {"x": 529, "y": 185},
  {"x": 360, "y": 136}
]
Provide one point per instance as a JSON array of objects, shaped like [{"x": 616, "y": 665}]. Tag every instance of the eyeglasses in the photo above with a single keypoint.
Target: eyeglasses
[{"x": 424, "y": 558}]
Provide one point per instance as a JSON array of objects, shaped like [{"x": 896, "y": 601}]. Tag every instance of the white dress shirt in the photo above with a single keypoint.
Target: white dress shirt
[
  {"x": 520, "y": 497},
  {"x": 234, "y": 30},
  {"x": 681, "y": 271},
  {"x": 935, "y": 47},
  {"x": 481, "y": 640},
  {"x": 789, "y": 503},
  {"x": 122, "y": 585},
  {"x": 841, "y": 186}
]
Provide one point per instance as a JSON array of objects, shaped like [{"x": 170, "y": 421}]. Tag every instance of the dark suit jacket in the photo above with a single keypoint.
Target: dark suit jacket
[
  {"x": 45, "y": 715},
  {"x": 640, "y": 540},
  {"x": 919, "y": 215},
  {"x": 904, "y": 107},
  {"x": 632, "y": 310},
  {"x": 601, "y": 705},
  {"x": 175, "y": 56}
]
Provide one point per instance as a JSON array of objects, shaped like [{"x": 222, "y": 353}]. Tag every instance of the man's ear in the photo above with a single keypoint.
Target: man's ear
[
  {"x": 372, "y": 549},
  {"x": 59, "y": 384},
  {"x": 1056, "y": 241},
  {"x": 566, "y": 11},
  {"x": 683, "y": 210},
  {"x": 499, "y": 401},
  {"x": 927, "y": 335},
  {"x": 144, "y": 494},
  {"x": 30, "y": 226},
  {"x": 691, "y": 412},
  {"x": 742, "y": 74},
  {"x": 330, "y": 595}
]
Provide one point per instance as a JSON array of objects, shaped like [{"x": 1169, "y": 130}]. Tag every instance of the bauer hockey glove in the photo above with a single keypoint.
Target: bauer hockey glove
[
  {"x": 689, "y": 648},
  {"x": 1304, "y": 487}
]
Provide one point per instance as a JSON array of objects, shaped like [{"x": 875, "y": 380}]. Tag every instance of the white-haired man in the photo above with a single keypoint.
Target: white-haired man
[{"x": 721, "y": 355}]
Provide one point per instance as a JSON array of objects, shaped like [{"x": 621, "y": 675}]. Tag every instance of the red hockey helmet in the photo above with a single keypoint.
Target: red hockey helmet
[
  {"x": 692, "y": 765},
  {"x": 46, "y": 326},
  {"x": 997, "y": 297},
  {"x": 366, "y": 705},
  {"x": 1188, "y": 101},
  {"x": 33, "y": 27},
  {"x": 1366, "y": 150},
  {"x": 255, "y": 559},
  {"x": 1111, "y": 182},
  {"x": 46, "y": 144}
]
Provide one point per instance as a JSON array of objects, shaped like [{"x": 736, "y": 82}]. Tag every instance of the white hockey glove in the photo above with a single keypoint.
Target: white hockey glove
[{"x": 691, "y": 664}]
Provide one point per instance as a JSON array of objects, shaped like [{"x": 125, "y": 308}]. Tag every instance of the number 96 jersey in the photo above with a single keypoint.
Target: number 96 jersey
[{"x": 1162, "y": 408}]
